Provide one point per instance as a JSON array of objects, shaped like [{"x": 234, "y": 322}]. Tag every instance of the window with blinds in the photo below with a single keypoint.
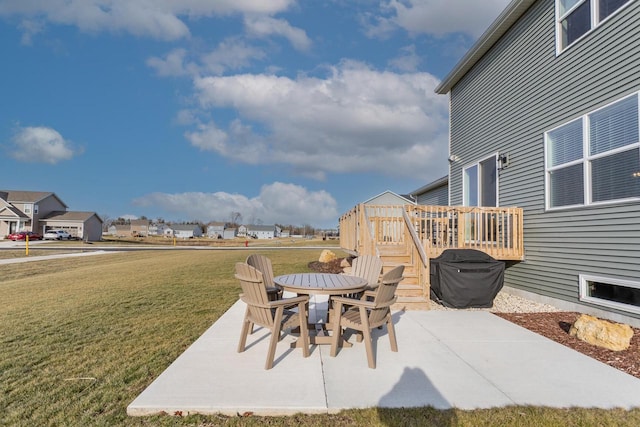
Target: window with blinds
[{"x": 595, "y": 158}]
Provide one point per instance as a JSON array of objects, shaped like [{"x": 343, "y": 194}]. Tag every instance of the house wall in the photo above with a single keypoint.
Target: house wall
[
  {"x": 507, "y": 101},
  {"x": 436, "y": 197},
  {"x": 45, "y": 207}
]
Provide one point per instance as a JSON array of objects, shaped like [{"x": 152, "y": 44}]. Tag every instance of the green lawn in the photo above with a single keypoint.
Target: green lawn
[{"x": 80, "y": 338}]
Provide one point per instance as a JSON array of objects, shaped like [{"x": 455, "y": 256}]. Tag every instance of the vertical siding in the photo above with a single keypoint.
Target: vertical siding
[{"x": 519, "y": 90}]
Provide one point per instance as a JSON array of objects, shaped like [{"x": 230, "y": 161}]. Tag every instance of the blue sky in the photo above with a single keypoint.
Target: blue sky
[{"x": 287, "y": 111}]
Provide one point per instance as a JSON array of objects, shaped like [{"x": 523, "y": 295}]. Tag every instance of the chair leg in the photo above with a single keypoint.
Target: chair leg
[
  {"x": 246, "y": 324},
  {"x": 336, "y": 338},
  {"x": 366, "y": 332},
  {"x": 275, "y": 337},
  {"x": 392, "y": 334},
  {"x": 304, "y": 332}
]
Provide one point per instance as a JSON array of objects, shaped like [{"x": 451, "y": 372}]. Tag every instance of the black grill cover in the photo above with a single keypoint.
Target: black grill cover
[{"x": 464, "y": 278}]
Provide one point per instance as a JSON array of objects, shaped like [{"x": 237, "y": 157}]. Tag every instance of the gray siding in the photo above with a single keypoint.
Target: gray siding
[
  {"x": 515, "y": 93},
  {"x": 436, "y": 197}
]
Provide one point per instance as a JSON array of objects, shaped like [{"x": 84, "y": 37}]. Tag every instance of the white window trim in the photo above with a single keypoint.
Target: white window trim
[
  {"x": 586, "y": 161},
  {"x": 595, "y": 9},
  {"x": 479, "y": 185},
  {"x": 584, "y": 280}
]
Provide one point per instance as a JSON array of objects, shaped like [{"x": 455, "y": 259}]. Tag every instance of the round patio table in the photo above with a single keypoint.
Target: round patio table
[{"x": 321, "y": 284}]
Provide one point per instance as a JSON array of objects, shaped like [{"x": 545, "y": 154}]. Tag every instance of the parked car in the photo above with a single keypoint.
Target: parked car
[
  {"x": 57, "y": 235},
  {"x": 22, "y": 235}
]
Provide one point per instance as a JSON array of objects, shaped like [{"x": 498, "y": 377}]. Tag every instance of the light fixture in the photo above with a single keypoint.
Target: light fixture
[
  {"x": 503, "y": 161},
  {"x": 453, "y": 158}
]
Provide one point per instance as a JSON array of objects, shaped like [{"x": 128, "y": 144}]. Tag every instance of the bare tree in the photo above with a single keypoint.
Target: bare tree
[{"x": 235, "y": 219}]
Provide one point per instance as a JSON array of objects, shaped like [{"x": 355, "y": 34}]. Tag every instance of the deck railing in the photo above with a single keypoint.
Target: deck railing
[{"x": 496, "y": 231}]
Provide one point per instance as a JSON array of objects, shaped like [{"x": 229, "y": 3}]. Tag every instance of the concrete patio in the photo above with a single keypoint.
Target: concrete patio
[{"x": 446, "y": 359}]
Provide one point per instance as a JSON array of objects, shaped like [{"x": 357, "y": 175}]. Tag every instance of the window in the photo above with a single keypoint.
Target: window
[
  {"x": 27, "y": 209},
  {"x": 595, "y": 158},
  {"x": 612, "y": 293},
  {"x": 481, "y": 183},
  {"x": 575, "y": 18}
]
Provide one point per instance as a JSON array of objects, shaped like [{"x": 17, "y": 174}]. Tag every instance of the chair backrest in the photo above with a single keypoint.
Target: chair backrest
[
  {"x": 254, "y": 294},
  {"x": 385, "y": 293},
  {"x": 368, "y": 267},
  {"x": 263, "y": 265}
]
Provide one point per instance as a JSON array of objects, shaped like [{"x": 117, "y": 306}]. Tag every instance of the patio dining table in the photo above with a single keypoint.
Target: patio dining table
[{"x": 321, "y": 284}]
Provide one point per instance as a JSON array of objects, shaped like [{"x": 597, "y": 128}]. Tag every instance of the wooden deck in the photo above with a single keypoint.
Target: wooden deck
[{"x": 411, "y": 235}]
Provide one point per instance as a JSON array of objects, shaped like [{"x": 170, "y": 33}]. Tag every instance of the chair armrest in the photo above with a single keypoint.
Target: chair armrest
[
  {"x": 356, "y": 302},
  {"x": 289, "y": 301}
]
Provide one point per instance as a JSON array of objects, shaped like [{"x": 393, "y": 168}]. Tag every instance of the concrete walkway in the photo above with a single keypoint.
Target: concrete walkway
[{"x": 446, "y": 359}]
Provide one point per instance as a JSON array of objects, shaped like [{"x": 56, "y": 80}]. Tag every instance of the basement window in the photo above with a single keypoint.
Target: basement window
[{"x": 612, "y": 293}]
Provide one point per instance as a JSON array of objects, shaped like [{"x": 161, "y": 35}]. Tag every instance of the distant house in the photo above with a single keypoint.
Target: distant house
[
  {"x": 81, "y": 225},
  {"x": 389, "y": 198},
  {"x": 215, "y": 230},
  {"x": 40, "y": 211},
  {"x": 119, "y": 230},
  {"x": 140, "y": 227},
  {"x": 230, "y": 233},
  {"x": 263, "y": 231},
  {"x": 242, "y": 231},
  {"x": 186, "y": 231},
  {"x": 157, "y": 229}
]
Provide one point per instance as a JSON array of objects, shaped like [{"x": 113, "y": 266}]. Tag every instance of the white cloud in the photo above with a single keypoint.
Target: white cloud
[
  {"x": 264, "y": 26},
  {"x": 161, "y": 19},
  {"x": 436, "y": 17},
  {"x": 408, "y": 60},
  {"x": 355, "y": 120},
  {"x": 230, "y": 54},
  {"x": 40, "y": 145},
  {"x": 277, "y": 203}
]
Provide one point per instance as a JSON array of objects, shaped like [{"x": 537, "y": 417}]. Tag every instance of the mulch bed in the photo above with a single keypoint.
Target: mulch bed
[
  {"x": 552, "y": 325},
  {"x": 555, "y": 326}
]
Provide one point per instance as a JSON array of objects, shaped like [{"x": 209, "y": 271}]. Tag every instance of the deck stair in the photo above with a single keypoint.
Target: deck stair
[{"x": 410, "y": 292}]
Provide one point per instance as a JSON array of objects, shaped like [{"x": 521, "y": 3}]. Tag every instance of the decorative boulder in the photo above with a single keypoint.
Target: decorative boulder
[
  {"x": 614, "y": 336},
  {"x": 327, "y": 256}
]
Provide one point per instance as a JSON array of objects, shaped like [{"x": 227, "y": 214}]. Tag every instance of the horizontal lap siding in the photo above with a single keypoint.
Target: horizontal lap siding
[
  {"x": 436, "y": 197},
  {"x": 519, "y": 90}
]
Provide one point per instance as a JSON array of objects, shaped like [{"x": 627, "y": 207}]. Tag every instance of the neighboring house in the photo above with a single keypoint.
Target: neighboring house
[
  {"x": 215, "y": 230},
  {"x": 81, "y": 225},
  {"x": 40, "y": 211},
  {"x": 186, "y": 231},
  {"x": 544, "y": 116},
  {"x": 263, "y": 231},
  {"x": 119, "y": 230},
  {"x": 157, "y": 229},
  {"x": 140, "y": 227},
  {"x": 389, "y": 198},
  {"x": 230, "y": 233},
  {"x": 435, "y": 193},
  {"x": 242, "y": 231}
]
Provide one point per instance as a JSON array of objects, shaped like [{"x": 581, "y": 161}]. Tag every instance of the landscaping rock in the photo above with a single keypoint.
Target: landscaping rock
[
  {"x": 327, "y": 256},
  {"x": 614, "y": 336}
]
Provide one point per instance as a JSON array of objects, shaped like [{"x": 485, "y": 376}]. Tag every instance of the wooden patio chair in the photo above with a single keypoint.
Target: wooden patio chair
[
  {"x": 367, "y": 313},
  {"x": 273, "y": 315},
  {"x": 368, "y": 267},
  {"x": 263, "y": 265}
]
